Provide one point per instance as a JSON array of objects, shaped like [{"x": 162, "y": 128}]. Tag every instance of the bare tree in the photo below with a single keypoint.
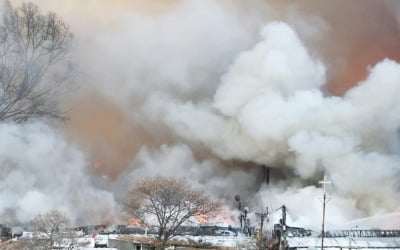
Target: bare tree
[
  {"x": 170, "y": 202},
  {"x": 51, "y": 230},
  {"x": 33, "y": 62}
]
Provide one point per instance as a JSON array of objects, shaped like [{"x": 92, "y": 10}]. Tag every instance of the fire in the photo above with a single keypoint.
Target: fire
[
  {"x": 135, "y": 222},
  {"x": 224, "y": 217},
  {"x": 202, "y": 219}
]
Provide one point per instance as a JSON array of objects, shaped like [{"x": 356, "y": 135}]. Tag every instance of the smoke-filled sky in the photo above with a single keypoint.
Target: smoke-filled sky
[{"x": 211, "y": 91}]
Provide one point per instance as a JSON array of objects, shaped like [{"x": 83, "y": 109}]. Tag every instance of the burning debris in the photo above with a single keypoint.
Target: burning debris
[
  {"x": 135, "y": 222},
  {"x": 202, "y": 219}
]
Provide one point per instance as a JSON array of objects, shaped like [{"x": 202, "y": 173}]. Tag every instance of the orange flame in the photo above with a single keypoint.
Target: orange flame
[
  {"x": 135, "y": 222},
  {"x": 202, "y": 219}
]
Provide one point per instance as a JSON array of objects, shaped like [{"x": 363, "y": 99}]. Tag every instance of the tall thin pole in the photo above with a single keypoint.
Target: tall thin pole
[
  {"x": 323, "y": 182},
  {"x": 323, "y": 223},
  {"x": 282, "y": 241},
  {"x": 262, "y": 217}
]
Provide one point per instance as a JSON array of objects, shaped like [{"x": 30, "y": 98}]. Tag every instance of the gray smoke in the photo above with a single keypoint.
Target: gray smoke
[
  {"x": 212, "y": 90},
  {"x": 40, "y": 172},
  {"x": 269, "y": 109}
]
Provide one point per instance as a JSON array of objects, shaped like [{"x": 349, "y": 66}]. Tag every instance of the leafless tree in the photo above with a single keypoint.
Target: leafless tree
[
  {"x": 170, "y": 202},
  {"x": 51, "y": 230},
  {"x": 34, "y": 62}
]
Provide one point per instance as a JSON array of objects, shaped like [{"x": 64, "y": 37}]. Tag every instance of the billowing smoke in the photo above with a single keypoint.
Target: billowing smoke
[
  {"x": 40, "y": 172},
  {"x": 213, "y": 90},
  {"x": 269, "y": 109},
  {"x": 346, "y": 35}
]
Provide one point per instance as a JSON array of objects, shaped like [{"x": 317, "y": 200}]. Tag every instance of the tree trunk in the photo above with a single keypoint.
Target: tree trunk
[
  {"x": 161, "y": 242},
  {"x": 164, "y": 241},
  {"x": 163, "y": 245}
]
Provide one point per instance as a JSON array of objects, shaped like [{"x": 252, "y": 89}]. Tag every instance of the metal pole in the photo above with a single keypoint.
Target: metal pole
[
  {"x": 323, "y": 182},
  {"x": 282, "y": 242},
  {"x": 262, "y": 218},
  {"x": 323, "y": 223}
]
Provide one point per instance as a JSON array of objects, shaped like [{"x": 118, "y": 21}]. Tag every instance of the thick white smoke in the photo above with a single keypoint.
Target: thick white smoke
[
  {"x": 179, "y": 161},
  {"x": 169, "y": 52},
  {"x": 40, "y": 172},
  {"x": 216, "y": 98},
  {"x": 127, "y": 55},
  {"x": 269, "y": 109}
]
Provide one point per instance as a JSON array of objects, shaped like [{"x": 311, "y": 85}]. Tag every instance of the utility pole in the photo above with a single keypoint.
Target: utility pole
[
  {"x": 237, "y": 199},
  {"x": 282, "y": 241},
  {"x": 244, "y": 223},
  {"x": 262, "y": 217},
  {"x": 323, "y": 182}
]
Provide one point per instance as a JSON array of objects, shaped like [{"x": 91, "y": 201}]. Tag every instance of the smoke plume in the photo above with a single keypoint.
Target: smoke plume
[
  {"x": 212, "y": 91},
  {"x": 40, "y": 172}
]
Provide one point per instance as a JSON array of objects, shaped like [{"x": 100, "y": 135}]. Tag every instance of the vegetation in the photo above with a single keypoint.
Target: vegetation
[
  {"x": 34, "y": 63},
  {"x": 51, "y": 230},
  {"x": 170, "y": 202}
]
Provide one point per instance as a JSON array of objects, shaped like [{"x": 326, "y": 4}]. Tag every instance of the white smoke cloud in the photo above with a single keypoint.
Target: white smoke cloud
[
  {"x": 253, "y": 101},
  {"x": 183, "y": 72},
  {"x": 129, "y": 56},
  {"x": 40, "y": 172},
  {"x": 168, "y": 52},
  {"x": 279, "y": 64},
  {"x": 210, "y": 175},
  {"x": 304, "y": 207},
  {"x": 269, "y": 109}
]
